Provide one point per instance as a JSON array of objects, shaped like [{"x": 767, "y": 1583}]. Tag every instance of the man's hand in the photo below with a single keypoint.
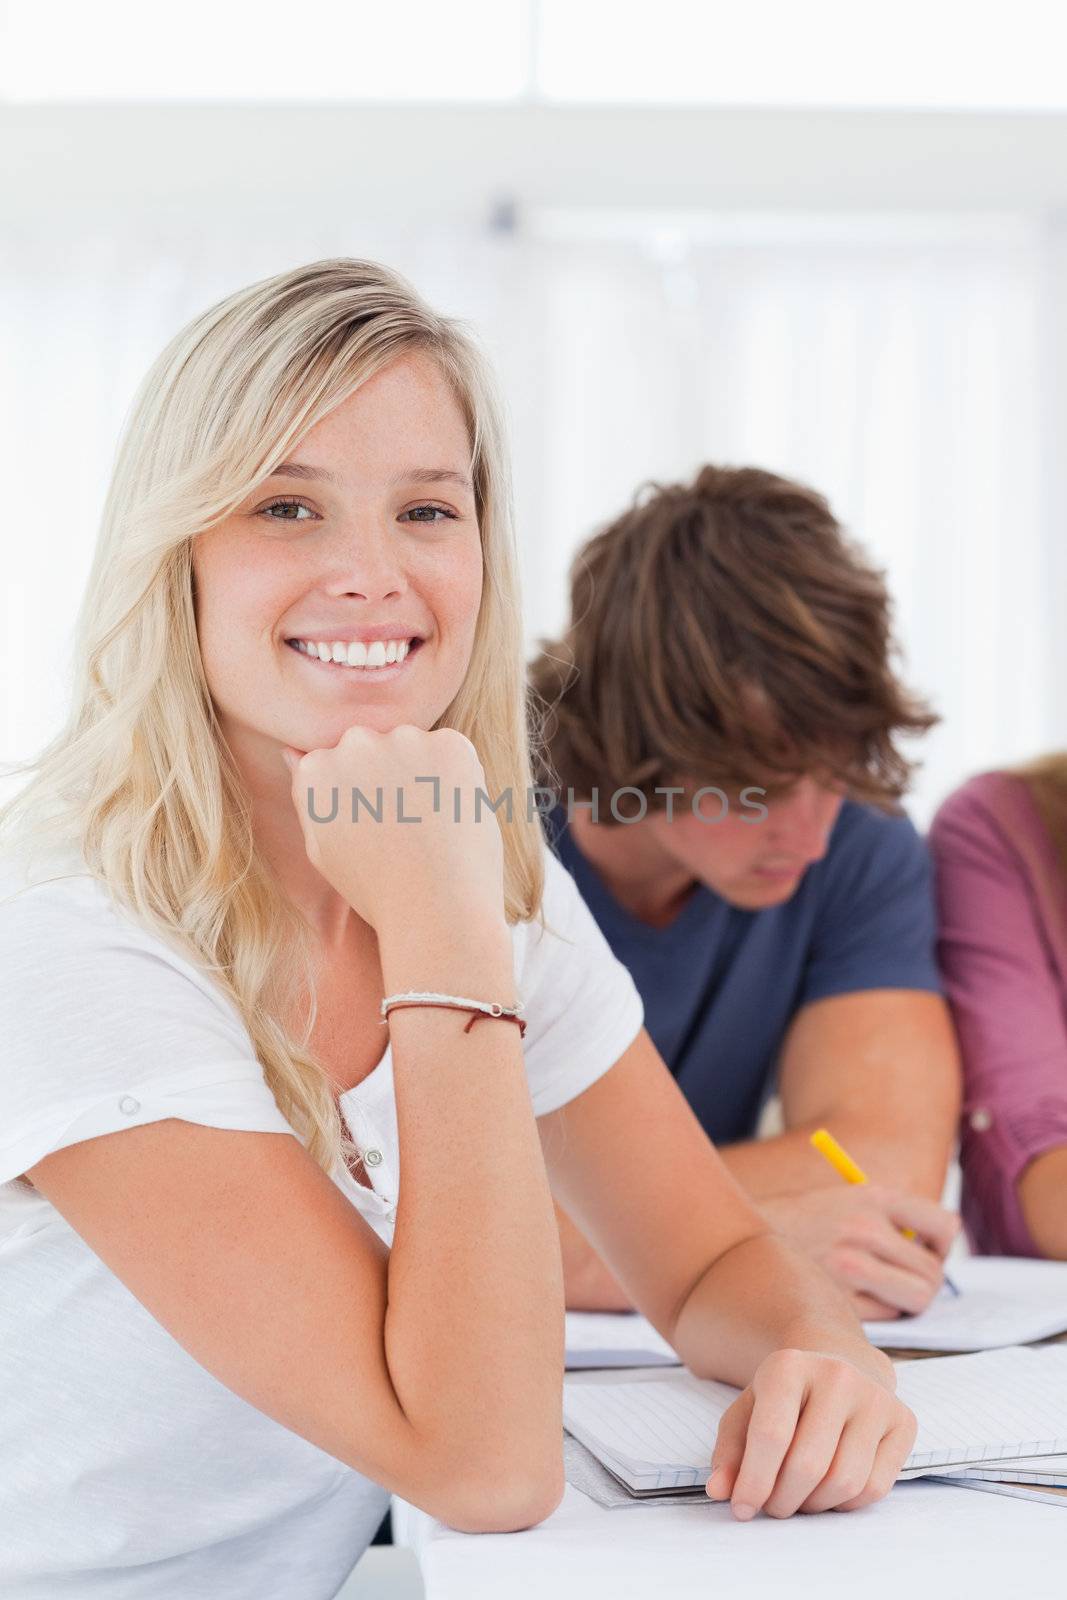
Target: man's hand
[{"x": 854, "y": 1232}]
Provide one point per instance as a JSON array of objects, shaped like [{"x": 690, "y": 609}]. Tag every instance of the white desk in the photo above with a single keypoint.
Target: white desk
[{"x": 924, "y": 1541}]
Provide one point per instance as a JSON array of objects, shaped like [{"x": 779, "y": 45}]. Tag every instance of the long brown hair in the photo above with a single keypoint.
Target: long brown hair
[{"x": 726, "y": 629}]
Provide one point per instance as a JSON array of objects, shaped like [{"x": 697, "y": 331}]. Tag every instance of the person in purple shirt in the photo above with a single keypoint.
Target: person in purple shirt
[
  {"x": 1000, "y": 847},
  {"x": 717, "y": 729}
]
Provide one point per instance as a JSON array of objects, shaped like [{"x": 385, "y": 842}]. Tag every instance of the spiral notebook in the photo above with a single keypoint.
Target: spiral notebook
[{"x": 983, "y": 1411}]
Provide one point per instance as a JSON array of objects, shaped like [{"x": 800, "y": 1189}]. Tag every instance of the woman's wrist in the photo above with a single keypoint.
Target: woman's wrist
[
  {"x": 471, "y": 956},
  {"x": 828, "y": 1340}
]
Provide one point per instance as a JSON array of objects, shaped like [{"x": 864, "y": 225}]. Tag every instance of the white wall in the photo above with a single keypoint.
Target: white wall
[
  {"x": 446, "y": 162},
  {"x": 873, "y": 301}
]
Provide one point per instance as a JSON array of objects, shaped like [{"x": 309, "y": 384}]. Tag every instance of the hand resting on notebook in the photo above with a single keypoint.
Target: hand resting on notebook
[
  {"x": 819, "y": 1424},
  {"x": 808, "y": 1419}
]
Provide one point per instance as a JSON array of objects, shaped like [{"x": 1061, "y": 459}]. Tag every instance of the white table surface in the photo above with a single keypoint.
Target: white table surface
[{"x": 924, "y": 1541}]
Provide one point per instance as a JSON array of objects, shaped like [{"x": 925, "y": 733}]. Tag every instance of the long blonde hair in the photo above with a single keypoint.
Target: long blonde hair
[{"x": 140, "y": 780}]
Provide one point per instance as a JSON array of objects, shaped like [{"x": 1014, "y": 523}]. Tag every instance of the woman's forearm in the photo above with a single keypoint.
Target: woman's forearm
[
  {"x": 764, "y": 1295},
  {"x": 474, "y": 1326},
  {"x": 1042, "y": 1190}
]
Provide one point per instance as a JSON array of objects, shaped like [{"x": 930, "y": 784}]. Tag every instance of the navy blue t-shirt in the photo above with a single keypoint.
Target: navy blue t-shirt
[{"x": 721, "y": 985}]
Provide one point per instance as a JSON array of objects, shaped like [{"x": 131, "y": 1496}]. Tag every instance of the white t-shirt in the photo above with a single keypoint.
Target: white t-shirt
[{"x": 126, "y": 1469}]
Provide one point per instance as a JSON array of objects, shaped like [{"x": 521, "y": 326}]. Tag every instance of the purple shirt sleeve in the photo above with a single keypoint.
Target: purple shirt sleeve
[{"x": 1003, "y": 966}]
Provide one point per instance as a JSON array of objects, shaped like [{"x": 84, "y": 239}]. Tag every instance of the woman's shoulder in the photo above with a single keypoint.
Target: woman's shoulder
[
  {"x": 996, "y": 786},
  {"x": 55, "y": 899},
  {"x": 107, "y": 1023},
  {"x": 561, "y": 914},
  {"x": 992, "y": 823},
  {"x": 582, "y": 1006},
  {"x": 48, "y": 896},
  {"x": 63, "y": 930},
  {"x": 563, "y": 946},
  {"x": 991, "y": 807}
]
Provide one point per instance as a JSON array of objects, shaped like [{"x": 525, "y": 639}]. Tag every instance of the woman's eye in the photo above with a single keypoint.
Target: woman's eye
[
  {"x": 285, "y": 505},
  {"x": 418, "y": 513}
]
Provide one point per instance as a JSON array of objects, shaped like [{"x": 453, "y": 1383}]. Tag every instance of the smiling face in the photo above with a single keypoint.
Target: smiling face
[{"x": 368, "y": 550}]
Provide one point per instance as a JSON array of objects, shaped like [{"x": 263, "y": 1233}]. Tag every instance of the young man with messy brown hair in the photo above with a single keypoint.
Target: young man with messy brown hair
[{"x": 719, "y": 726}]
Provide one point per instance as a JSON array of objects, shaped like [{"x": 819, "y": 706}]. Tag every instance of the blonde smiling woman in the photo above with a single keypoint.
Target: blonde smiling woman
[{"x": 228, "y": 1329}]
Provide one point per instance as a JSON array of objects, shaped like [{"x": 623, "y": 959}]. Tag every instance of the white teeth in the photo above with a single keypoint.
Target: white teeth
[{"x": 380, "y": 653}]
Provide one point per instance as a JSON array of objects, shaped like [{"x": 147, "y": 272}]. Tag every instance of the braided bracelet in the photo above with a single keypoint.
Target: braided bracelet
[{"x": 452, "y": 1002}]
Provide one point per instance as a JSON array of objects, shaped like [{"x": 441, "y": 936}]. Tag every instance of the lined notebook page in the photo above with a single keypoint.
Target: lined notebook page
[
  {"x": 972, "y": 1410},
  {"x": 654, "y": 1435},
  {"x": 988, "y": 1407},
  {"x": 1003, "y": 1301},
  {"x": 979, "y": 1319}
]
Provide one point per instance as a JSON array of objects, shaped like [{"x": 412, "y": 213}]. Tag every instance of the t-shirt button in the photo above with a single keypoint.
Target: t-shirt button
[
  {"x": 981, "y": 1120},
  {"x": 373, "y": 1158},
  {"x": 129, "y": 1105}
]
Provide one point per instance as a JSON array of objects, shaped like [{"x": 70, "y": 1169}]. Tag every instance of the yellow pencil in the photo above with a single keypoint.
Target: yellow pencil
[{"x": 842, "y": 1162}]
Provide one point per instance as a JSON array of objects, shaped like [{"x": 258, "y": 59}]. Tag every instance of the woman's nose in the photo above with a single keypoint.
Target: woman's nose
[{"x": 367, "y": 563}]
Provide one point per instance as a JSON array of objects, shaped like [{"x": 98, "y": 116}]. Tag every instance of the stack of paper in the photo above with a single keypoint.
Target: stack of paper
[{"x": 998, "y": 1412}]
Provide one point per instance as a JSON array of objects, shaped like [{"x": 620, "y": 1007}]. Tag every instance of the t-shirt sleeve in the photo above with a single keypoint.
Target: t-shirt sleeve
[
  {"x": 876, "y": 926},
  {"x": 103, "y": 1026},
  {"x": 582, "y": 1007}
]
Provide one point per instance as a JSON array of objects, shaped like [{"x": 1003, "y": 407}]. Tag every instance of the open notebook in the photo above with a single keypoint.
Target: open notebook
[
  {"x": 983, "y": 1411},
  {"x": 1002, "y": 1301}
]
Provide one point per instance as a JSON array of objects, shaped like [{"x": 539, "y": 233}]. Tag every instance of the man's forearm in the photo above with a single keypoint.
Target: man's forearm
[
  {"x": 588, "y": 1284},
  {"x": 769, "y": 1168},
  {"x": 787, "y": 1164}
]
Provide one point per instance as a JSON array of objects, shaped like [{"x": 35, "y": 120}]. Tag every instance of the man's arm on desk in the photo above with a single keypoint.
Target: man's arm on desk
[
  {"x": 880, "y": 1069},
  {"x": 588, "y": 1283}
]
